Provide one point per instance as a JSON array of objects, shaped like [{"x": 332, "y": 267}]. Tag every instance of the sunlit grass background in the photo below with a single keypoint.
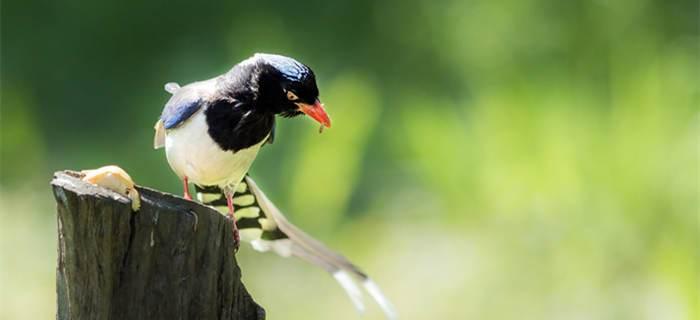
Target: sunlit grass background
[{"x": 488, "y": 160}]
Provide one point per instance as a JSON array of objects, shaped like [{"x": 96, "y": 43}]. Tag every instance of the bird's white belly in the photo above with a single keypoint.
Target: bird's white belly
[{"x": 192, "y": 153}]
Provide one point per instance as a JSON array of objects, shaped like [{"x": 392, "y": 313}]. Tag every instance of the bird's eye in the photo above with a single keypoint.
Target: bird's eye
[{"x": 291, "y": 96}]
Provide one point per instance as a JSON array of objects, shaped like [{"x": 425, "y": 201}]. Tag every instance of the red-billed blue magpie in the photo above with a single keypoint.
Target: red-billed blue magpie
[{"x": 212, "y": 131}]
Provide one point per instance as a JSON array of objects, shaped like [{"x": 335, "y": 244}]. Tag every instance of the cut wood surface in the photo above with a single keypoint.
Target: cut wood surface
[{"x": 172, "y": 259}]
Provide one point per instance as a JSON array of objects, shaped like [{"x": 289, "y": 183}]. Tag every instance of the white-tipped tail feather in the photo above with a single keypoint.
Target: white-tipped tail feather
[
  {"x": 263, "y": 225},
  {"x": 384, "y": 303},
  {"x": 351, "y": 288},
  {"x": 302, "y": 245}
]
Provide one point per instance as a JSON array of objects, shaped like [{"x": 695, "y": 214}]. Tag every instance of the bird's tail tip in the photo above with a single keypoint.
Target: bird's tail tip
[
  {"x": 373, "y": 290},
  {"x": 351, "y": 288},
  {"x": 353, "y": 291}
]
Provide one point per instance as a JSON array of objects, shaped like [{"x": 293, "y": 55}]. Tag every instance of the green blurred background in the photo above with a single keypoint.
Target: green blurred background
[{"x": 531, "y": 159}]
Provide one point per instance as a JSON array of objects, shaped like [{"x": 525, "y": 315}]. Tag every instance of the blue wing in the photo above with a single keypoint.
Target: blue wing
[
  {"x": 178, "y": 110},
  {"x": 186, "y": 101}
]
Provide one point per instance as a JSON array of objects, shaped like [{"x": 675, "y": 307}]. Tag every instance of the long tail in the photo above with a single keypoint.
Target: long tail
[{"x": 263, "y": 225}]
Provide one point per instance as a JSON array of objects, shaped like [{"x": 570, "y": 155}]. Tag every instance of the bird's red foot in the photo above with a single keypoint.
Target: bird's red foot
[
  {"x": 236, "y": 235},
  {"x": 186, "y": 187},
  {"x": 231, "y": 215}
]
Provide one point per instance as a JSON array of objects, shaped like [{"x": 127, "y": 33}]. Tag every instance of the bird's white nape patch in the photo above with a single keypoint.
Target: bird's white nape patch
[
  {"x": 351, "y": 289},
  {"x": 172, "y": 87},
  {"x": 374, "y": 291}
]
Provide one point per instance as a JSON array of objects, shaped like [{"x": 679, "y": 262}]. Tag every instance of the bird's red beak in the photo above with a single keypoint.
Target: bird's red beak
[{"x": 316, "y": 112}]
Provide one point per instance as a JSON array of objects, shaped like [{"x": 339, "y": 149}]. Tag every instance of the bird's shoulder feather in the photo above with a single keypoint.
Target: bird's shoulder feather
[{"x": 186, "y": 101}]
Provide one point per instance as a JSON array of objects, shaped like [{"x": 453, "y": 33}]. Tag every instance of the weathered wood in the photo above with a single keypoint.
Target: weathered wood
[{"x": 172, "y": 259}]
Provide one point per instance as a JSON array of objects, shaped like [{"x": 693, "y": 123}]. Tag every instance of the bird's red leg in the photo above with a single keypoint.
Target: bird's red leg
[
  {"x": 232, "y": 216},
  {"x": 186, "y": 186}
]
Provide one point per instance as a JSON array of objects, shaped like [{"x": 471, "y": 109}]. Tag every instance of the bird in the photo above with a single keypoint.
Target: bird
[{"x": 212, "y": 131}]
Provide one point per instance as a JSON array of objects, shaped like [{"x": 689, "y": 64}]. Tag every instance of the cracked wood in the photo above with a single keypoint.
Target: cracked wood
[{"x": 173, "y": 259}]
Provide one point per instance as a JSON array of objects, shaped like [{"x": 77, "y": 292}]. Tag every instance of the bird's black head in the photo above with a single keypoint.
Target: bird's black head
[{"x": 284, "y": 86}]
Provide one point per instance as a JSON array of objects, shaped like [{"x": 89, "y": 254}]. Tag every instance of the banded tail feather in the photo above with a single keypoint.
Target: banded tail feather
[
  {"x": 253, "y": 224},
  {"x": 262, "y": 224}
]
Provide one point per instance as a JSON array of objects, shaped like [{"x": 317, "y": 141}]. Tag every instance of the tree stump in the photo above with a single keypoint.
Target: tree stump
[{"x": 172, "y": 259}]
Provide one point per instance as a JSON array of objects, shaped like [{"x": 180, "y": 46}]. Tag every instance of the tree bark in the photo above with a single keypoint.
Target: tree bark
[{"x": 172, "y": 259}]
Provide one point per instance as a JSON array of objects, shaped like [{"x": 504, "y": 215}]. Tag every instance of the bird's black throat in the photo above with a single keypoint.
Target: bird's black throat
[{"x": 235, "y": 125}]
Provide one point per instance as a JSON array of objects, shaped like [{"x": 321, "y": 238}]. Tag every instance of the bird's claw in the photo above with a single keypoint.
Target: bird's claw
[
  {"x": 236, "y": 240},
  {"x": 236, "y": 234}
]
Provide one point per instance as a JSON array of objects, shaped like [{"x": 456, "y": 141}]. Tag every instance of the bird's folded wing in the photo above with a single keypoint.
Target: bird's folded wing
[
  {"x": 180, "y": 108},
  {"x": 185, "y": 102}
]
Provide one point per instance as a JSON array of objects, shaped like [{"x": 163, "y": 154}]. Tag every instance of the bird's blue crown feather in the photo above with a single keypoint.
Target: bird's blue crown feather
[{"x": 291, "y": 69}]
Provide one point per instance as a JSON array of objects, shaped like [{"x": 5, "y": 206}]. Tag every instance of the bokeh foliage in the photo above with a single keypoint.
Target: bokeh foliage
[{"x": 529, "y": 159}]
